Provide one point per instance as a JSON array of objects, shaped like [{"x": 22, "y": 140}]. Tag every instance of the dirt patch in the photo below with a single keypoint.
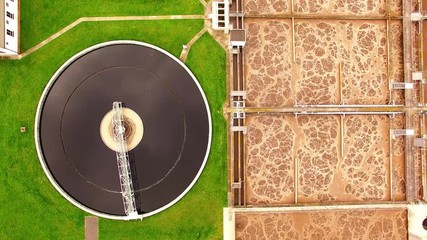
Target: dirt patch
[{"x": 348, "y": 224}]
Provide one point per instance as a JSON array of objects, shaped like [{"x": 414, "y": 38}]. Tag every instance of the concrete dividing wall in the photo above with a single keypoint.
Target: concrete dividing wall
[{"x": 229, "y": 224}]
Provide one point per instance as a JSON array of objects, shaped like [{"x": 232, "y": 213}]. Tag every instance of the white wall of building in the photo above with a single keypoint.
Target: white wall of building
[
  {"x": 11, "y": 23},
  {"x": 6, "y": 51}
]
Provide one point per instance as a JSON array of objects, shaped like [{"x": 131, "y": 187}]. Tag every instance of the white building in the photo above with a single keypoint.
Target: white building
[{"x": 9, "y": 26}]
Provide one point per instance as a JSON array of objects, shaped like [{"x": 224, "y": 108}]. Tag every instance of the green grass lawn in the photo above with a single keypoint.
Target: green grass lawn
[
  {"x": 33, "y": 209},
  {"x": 42, "y": 18}
]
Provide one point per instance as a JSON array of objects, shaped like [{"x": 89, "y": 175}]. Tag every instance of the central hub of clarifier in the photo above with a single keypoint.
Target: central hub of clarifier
[{"x": 133, "y": 127}]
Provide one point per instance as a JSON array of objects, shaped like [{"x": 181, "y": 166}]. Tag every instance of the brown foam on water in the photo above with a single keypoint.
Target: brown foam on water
[
  {"x": 363, "y": 173},
  {"x": 344, "y": 224},
  {"x": 348, "y": 7},
  {"x": 268, "y": 59},
  {"x": 396, "y": 58},
  {"x": 275, "y": 142},
  {"x": 366, "y": 161},
  {"x": 399, "y": 182},
  {"x": 361, "y": 48},
  {"x": 270, "y": 177},
  {"x": 273, "y": 80},
  {"x": 365, "y": 70},
  {"x": 330, "y": 7},
  {"x": 316, "y": 69},
  {"x": 317, "y": 156},
  {"x": 267, "y": 6}
]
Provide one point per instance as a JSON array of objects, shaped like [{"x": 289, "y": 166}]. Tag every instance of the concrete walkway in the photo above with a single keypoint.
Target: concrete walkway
[
  {"x": 187, "y": 47},
  {"x": 219, "y": 36},
  {"x": 99, "y": 19},
  {"x": 229, "y": 224},
  {"x": 91, "y": 228}
]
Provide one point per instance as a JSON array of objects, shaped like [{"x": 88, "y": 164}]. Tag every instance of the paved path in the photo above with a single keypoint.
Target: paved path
[
  {"x": 91, "y": 228},
  {"x": 187, "y": 47},
  {"x": 100, "y": 19}
]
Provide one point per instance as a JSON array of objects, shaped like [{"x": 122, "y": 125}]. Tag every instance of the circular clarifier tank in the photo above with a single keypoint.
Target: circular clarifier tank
[{"x": 166, "y": 122}]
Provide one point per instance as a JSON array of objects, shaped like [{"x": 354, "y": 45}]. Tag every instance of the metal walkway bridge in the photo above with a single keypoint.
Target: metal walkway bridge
[{"x": 123, "y": 162}]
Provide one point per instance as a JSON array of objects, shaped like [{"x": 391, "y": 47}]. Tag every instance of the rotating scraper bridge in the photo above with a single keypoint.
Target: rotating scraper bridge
[{"x": 123, "y": 161}]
